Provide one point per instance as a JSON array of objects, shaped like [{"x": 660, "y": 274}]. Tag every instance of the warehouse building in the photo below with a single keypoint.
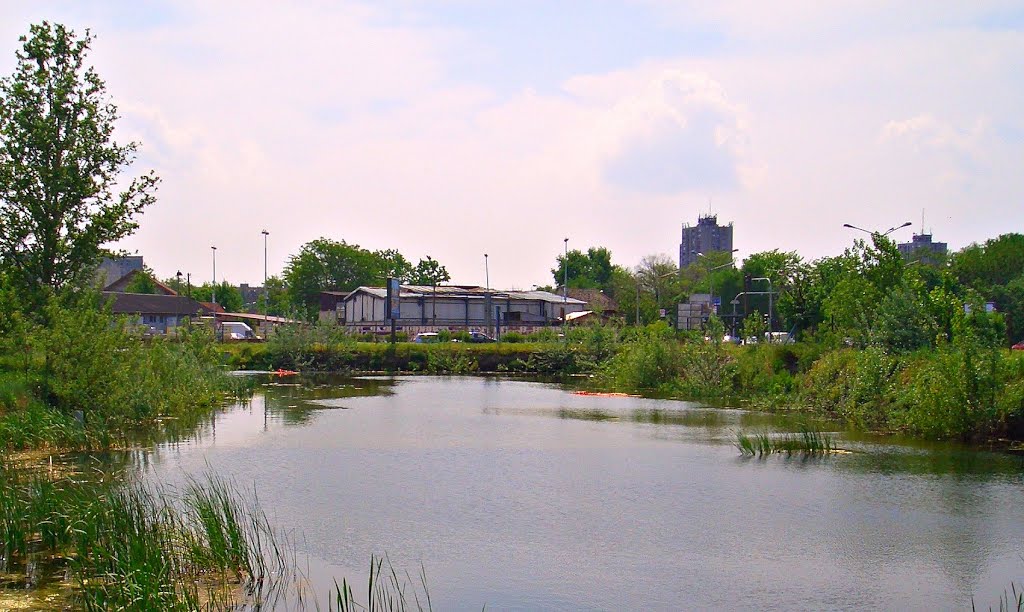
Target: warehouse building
[{"x": 456, "y": 307}]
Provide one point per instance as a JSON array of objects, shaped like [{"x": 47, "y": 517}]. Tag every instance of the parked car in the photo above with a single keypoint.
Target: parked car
[
  {"x": 1018, "y": 347},
  {"x": 475, "y": 336},
  {"x": 427, "y": 338}
]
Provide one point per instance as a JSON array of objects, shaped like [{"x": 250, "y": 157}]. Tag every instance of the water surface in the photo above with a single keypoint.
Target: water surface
[{"x": 523, "y": 495}]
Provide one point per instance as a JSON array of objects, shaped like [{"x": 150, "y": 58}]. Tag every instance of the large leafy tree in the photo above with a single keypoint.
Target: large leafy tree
[
  {"x": 590, "y": 270},
  {"x": 59, "y": 166},
  {"x": 429, "y": 272},
  {"x": 328, "y": 265}
]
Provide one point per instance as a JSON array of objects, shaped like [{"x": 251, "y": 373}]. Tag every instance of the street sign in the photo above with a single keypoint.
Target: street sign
[{"x": 393, "y": 308}]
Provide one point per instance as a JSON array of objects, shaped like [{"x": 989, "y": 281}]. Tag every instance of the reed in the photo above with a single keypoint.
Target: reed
[
  {"x": 131, "y": 547},
  {"x": 807, "y": 442},
  {"x": 385, "y": 592}
]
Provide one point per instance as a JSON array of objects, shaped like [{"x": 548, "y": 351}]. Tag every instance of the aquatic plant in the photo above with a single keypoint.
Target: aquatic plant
[
  {"x": 807, "y": 442},
  {"x": 385, "y": 591},
  {"x": 127, "y": 546}
]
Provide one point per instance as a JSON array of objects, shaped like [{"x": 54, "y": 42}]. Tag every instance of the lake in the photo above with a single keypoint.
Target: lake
[{"x": 522, "y": 495}]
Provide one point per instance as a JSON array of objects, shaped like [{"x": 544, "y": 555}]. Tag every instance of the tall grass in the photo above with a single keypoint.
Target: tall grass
[
  {"x": 807, "y": 442},
  {"x": 385, "y": 591},
  {"x": 130, "y": 547}
]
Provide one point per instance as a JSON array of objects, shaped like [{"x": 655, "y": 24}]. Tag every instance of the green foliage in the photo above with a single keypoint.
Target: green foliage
[
  {"x": 807, "y": 442},
  {"x": 954, "y": 394},
  {"x": 590, "y": 270},
  {"x": 997, "y": 262},
  {"x": 59, "y": 167},
  {"x": 301, "y": 346},
  {"x": 754, "y": 326},
  {"x": 128, "y": 547},
  {"x": 228, "y": 296},
  {"x": 328, "y": 265},
  {"x": 651, "y": 361},
  {"x": 904, "y": 323},
  {"x": 274, "y": 300},
  {"x": 142, "y": 282},
  {"x": 95, "y": 363},
  {"x": 428, "y": 272}
]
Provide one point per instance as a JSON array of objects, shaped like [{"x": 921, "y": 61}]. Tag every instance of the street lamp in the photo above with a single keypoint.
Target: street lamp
[
  {"x": 213, "y": 289},
  {"x": 265, "y": 233},
  {"x": 565, "y": 289},
  {"x": 178, "y": 276},
  {"x": 770, "y": 302},
  {"x": 885, "y": 233},
  {"x": 266, "y": 294},
  {"x": 487, "y": 294}
]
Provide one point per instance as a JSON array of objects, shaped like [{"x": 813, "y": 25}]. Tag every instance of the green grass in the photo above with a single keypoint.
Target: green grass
[
  {"x": 807, "y": 442},
  {"x": 130, "y": 547},
  {"x": 385, "y": 591}
]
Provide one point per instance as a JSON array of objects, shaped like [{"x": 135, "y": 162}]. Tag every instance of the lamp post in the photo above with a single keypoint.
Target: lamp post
[
  {"x": 178, "y": 287},
  {"x": 266, "y": 293},
  {"x": 565, "y": 289},
  {"x": 885, "y": 233},
  {"x": 213, "y": 289},
  {"x": 771, "y": 293},
  {"x": 265, "y": 234},
  {"x": 486, "y": 295}
]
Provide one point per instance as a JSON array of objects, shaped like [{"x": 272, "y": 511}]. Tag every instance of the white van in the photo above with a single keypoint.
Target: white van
[{"x": 236, "y": 330}]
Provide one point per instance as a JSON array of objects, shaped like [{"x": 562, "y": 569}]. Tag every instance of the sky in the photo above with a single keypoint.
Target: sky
[{"x": 455, "y": 128}]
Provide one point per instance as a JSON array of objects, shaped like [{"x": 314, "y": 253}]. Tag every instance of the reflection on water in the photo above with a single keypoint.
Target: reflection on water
[{"x": 517, "y": 494}]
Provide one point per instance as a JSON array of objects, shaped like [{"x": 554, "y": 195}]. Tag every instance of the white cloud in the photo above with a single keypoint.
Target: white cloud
[{"x": 335, "y": 120}]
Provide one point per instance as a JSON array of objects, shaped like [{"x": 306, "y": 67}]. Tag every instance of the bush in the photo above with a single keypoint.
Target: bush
[
  {"x": 513, "y": 337},
  {"x": 97, "y": 364}
]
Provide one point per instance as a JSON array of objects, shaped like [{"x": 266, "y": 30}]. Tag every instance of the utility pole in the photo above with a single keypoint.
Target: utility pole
[{"x": 213, "y": 290}]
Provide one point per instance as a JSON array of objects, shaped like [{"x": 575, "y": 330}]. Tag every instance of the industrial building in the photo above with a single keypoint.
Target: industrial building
[
  {"x": 456, "y": 307},
  {"x": 705, "y": 237}
]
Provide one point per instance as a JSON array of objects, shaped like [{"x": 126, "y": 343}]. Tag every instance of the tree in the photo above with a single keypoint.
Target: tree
[
  {"x": 997, "y": 262},
  {"x": 590, "y": 270},
  {"x": 274, "y": 300},
  {"x": 228, "y": 296},
  {"x": 393, "y": 264},
  {"x": 429, "y": 272},
  {"x": 142, "y": 282},
  {"x": 59, "y": 167},
  {"x": 328, "y": 265},
  {"x": 658, "y": 277}
]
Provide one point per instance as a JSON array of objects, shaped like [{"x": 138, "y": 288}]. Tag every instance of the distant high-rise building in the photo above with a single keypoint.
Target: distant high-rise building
[
  {"x": 922, "y": 249},
  {"x": 705, "y": 237}
]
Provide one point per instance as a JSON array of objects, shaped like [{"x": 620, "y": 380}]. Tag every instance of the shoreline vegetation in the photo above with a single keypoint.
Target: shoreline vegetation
[
  {"x": 966, "y": 390},
  {"x": 88, "y": 382}
]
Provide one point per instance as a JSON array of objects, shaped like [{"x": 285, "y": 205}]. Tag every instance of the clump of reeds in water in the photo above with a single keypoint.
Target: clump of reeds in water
[
  {"x": 131, "y": 547},
  {"x": 1010, "y": 601},
  {"x": 385, "y": 591},
  {"x": 807, "y": 442}
]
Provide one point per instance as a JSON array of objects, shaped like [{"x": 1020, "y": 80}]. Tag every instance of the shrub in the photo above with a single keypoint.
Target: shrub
[{"x": 513, "y": 337}]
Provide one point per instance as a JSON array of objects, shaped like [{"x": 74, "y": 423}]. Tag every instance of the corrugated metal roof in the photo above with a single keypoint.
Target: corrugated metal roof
[{"x": 465, "y": 291}]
